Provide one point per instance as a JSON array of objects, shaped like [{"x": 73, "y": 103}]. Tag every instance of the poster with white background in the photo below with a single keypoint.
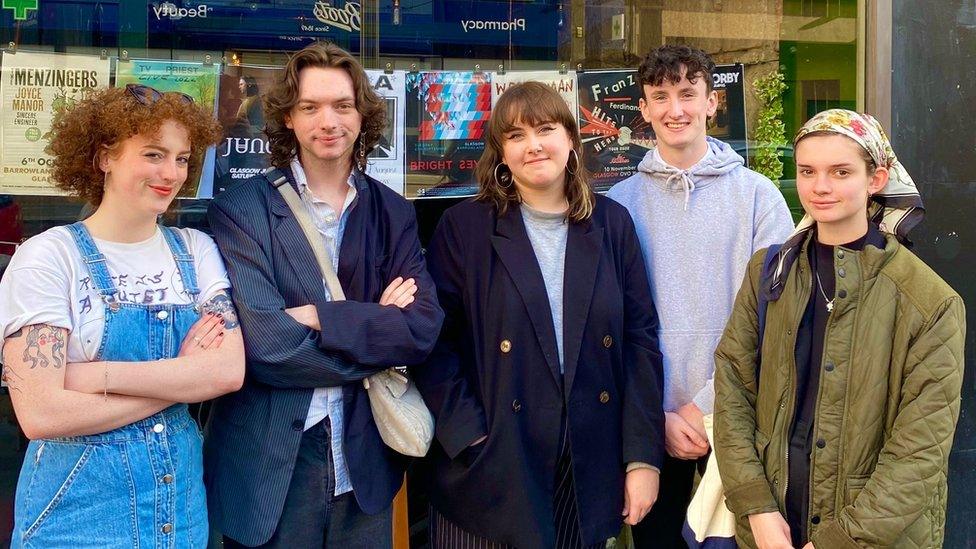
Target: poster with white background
[
  {"x": 34, "y": 87},
  {"x": 564, "y": 83},
  {"x": 385, "y": 162}
]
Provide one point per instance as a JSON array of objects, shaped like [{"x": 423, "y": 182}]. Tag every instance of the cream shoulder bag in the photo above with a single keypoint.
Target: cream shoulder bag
[{"x": 402, "y": 418}]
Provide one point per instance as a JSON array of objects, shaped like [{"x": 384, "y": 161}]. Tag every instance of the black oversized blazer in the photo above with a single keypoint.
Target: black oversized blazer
[{"x": 495, "y": 372}]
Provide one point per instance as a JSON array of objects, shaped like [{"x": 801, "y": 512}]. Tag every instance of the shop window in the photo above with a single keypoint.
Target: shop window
[{"x": 813, "y": 43}]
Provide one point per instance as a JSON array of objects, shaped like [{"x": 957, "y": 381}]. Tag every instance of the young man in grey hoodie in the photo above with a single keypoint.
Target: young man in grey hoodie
[{"x": 700, "y": 215}]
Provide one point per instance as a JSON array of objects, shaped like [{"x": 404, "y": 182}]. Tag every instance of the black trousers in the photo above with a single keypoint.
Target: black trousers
[
  {"x": 661, "y": 528},
  {"x": 313, "y": 516}
]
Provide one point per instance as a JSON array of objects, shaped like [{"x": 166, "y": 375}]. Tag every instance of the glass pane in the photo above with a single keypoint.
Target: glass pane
[{"x": 812, "y": 43}]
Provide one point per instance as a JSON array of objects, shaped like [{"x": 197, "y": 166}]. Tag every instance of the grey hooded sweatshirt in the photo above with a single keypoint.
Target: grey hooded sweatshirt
[{"x": 698, "y": 228}]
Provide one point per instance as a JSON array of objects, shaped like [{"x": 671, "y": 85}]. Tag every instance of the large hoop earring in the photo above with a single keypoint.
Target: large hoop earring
[
  {"x": 575, "y": 155},
  {"x": 499, "y": 179}
]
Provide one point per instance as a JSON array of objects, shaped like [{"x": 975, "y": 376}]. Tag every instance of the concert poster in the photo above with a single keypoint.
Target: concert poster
[
  {"x": 446, "y": 118},
  {"x": 614, "y": 134}
]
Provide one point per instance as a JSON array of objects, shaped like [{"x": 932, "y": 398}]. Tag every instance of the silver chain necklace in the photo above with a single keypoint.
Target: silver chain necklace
[{"x": 830, "y": 302}]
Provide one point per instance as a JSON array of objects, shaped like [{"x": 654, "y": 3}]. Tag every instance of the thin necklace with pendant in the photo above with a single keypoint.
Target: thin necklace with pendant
[{"x": 830, "y": 302}]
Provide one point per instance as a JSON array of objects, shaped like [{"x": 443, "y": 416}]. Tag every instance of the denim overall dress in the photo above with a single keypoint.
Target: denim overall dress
[{"x": 140, "y": 485}]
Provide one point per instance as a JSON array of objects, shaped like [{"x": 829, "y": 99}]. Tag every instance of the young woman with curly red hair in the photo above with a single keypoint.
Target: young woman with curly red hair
[{"x": 110, "y": 325}]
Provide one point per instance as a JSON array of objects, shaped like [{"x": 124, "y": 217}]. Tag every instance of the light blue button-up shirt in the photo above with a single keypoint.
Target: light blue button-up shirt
[{"x": 327, "y": 401}]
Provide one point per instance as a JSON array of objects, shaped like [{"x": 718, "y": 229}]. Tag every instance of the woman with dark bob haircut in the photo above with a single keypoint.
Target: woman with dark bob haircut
[
  {"x": 110, "y": 325},
  {"x": 546, "y": 380}
]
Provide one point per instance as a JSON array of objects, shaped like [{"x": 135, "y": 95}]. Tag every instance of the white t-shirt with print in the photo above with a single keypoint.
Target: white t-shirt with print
[{"x": 47, "y": 282}]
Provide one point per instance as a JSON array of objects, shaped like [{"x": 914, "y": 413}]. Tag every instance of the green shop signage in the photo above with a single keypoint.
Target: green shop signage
[{"x": 20, "y": 7}]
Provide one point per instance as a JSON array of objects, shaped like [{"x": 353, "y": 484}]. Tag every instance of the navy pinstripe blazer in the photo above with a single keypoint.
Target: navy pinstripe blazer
[{"x": 253, "y": 435}]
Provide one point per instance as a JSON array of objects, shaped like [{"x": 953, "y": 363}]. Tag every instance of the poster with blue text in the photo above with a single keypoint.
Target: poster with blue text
[
  {"x": 385, "y": 162},
  {"x": 447, "y": 114},
  {"x": 34, "y": 87},
  {"x": 197, "y": 80}
]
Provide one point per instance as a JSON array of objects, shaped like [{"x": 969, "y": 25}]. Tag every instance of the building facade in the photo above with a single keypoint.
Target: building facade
[{"x": 910, "y": 63}]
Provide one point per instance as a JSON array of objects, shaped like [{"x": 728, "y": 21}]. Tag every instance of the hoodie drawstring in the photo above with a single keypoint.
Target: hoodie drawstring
[{"x": 681, "y": 178}]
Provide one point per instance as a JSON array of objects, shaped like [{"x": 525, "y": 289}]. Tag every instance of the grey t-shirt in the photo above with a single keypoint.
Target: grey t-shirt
[{"x": 547, "y": 234}]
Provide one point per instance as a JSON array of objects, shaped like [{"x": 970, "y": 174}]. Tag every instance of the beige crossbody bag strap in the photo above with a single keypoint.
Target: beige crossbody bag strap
[{"x": 311, "y": 234}]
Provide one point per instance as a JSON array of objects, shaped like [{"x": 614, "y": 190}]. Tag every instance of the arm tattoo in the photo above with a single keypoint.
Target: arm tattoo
[
  {"x": 39, "y": 337},
  {"x": 222, "y": 305},
  {"x": 11, "y": 378}
]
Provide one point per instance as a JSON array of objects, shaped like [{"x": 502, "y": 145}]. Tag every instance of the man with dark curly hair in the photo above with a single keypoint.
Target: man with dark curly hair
[
  {"x": 700, "y": 214},
  {"x": 295, "y": 459}
]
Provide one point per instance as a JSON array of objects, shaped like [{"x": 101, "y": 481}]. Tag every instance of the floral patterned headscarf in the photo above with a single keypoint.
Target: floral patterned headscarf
[{"x": 896, "y": 209}]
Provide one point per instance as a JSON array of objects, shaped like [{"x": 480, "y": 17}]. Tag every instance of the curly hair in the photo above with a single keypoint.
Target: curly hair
[
  {"x": 283, "y": 96},
  {"x": 666, "y": 63},
  {"x": 531, "y": 103},
  {"x": 105, "y": 119}
]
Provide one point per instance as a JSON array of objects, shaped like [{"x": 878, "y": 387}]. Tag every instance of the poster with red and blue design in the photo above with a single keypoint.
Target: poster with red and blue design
[{"x": 447, "y": 116}]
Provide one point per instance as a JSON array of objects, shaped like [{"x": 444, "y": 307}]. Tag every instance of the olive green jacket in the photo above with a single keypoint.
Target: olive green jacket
[{"x": 886, "y": 407}]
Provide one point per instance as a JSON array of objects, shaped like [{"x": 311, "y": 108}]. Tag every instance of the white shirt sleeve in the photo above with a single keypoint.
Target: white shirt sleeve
[
  {"x": 35, "y": 288},
  {"x": 211, "y": 274}
]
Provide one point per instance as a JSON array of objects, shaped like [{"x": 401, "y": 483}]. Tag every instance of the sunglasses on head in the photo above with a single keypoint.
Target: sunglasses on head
[{"x": 148, "y": 95}]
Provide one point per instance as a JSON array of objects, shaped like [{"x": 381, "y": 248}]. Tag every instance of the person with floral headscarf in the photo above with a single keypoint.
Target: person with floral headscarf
[{"x": 841, "y": 439}]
